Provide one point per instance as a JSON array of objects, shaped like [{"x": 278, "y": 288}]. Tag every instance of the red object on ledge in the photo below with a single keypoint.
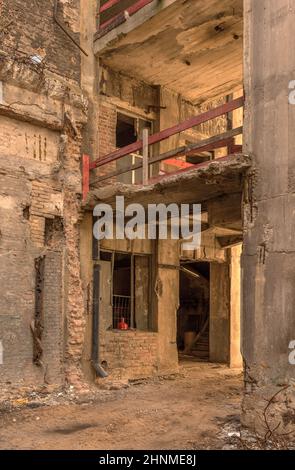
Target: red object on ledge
[{"x": 122, "y": 325}]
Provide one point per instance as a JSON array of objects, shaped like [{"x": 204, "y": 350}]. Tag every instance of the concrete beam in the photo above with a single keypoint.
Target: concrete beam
[{"x": 101, "y": 44}]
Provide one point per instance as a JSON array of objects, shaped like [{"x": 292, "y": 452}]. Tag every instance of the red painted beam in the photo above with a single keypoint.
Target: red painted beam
[
  {"x": 209, "y": 147},
  {"x": 131, "y": 11},
  {"x": 237, "y": 149},
  {"x": 106, "y": 26},
  {"x": 159, "y": 136},
  {"x": 85, "y": 176},
  {"x": 177, "y": 163},
  {"x": 108, "y": 5}
]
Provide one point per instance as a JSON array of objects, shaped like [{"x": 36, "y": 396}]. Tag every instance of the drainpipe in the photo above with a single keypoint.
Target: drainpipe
[
  {"x": 63, "y": 28},
  {"x": 100, "y": 372}
]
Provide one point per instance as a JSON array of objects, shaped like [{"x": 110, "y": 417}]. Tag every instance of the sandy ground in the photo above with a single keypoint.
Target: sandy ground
[{"x": 197, "y": 410}]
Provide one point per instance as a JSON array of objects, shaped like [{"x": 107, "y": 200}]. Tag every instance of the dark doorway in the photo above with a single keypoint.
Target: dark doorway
[
  {"x": 194, "y": 310},
  {"x": 128, "y": 130}
]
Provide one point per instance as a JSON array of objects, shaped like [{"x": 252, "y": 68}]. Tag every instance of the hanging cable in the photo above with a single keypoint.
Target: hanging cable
[{"x": 63, "y": 28}]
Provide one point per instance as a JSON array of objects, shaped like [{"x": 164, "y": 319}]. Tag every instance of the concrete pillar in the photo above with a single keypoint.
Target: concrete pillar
[
  {"x": 167, "y": 292},
  {"x": 235, "y": 357},
  {"x": 269, "y": 247},
  {"x": 219, "y": 313},
  {"x": 89, "y": 71},
  {"x": 238, "y": 118}
]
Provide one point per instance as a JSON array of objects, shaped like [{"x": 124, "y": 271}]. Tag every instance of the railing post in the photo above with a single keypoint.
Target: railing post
[
  {"x": 145, "y": 156},
  {"x": 85, "y": 176}
]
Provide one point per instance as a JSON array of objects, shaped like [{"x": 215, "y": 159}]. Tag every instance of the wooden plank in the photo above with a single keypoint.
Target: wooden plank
[{"x": 159, "y": 136}]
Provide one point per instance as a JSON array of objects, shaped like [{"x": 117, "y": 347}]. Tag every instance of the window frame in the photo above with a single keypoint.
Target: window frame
[{"x": 149, "y": 256}]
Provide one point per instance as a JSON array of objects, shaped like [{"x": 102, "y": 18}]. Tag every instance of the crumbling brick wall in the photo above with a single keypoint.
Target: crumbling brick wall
[
  {"x": 131, "y": 354},
  {"x": 18, "y": 251},
  {"x": 107, "y": 134},
  {"x": 29, "y": 29},
  {"x": 42, "y": 115}
]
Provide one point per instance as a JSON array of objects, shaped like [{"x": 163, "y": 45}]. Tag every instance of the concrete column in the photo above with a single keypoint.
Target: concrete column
[
  {"x": 89, "y": 76},
  {"x": 235, "y": 357},
  {"x": 269, "y": 246},
  {"x": 167, "y": 292},
  {"x": 219, "y": 313}
]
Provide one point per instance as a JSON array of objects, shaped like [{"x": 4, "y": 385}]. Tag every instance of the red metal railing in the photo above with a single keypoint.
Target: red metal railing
[
  {"x": 112, "y": 13},
  {"x": 222, "y": 140}
]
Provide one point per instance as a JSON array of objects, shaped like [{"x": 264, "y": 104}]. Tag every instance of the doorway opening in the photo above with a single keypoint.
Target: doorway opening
[
  {"x": 194, "y": 311},
  {"x": 129, "y": 129}
]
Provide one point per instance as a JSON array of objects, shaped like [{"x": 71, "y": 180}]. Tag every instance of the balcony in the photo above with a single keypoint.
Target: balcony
[{"x": 232, "y": 164}]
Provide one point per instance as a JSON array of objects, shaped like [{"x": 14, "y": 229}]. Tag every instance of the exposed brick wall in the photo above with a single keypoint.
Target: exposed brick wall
[
  {"x": 17, "y": 290},
  {"x": 107, "y": 134},
  {"x": 73, "y": 292},
  {"x": 40, "y": 187},
  {"x": 52, "y": 339},
  {"x": 16, "y": 280},
  {"x": 130, "y": 354},
  {"x": 30, "y": 28},
  {"x": 46, "y": 204},
  {"x": 107, "y": 128},
  {"x": 37, "y": 230}
]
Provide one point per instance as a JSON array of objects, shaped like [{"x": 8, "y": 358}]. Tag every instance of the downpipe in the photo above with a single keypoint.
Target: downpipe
[{"x": 99, "y": 370}]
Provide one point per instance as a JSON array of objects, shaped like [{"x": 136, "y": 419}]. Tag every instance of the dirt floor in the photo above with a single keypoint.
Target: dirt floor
[{"x": 197, "y": 410}]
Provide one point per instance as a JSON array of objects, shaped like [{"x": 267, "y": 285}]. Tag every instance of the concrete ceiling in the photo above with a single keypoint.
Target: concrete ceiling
[{"x": 194, "y": 47}]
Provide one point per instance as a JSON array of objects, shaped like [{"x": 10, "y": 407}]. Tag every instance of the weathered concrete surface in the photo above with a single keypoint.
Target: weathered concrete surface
[
  {"x": 28, "y": 28},
  {"x": 269, "y": 243},
  {"x": 167, "y": 293},
  {"x": 43, "y": 111},
  {"x": 235, "y": 357},
  {"x": 219, "y": 330},
  {"x": 184, "y": 47}
]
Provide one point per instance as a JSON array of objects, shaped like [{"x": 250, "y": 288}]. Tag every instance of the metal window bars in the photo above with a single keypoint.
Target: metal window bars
[{"x": 121, "y": 309}]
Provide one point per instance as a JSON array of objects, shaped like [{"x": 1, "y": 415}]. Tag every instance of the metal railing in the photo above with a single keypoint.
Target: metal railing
[
  {"x": 226, "y": 139},
  {"x": 113, "y": 13},
  {"x": 121, "y": 309}
]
